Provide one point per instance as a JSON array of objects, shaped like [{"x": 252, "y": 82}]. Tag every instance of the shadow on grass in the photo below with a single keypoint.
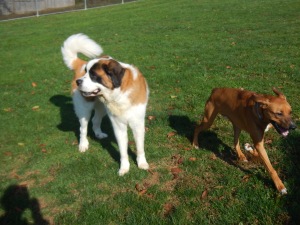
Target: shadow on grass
[
  {"x": 69, "y": 122},
  {"x": 292, "y": 175},
  {"x": 207, "y": 140},
  {"x": 15, "y": 201}
]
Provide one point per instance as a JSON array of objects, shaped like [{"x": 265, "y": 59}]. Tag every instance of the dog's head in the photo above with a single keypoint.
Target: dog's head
[
  {"x": 277, "y": 111},
  {"x": 102, "y": 73}
]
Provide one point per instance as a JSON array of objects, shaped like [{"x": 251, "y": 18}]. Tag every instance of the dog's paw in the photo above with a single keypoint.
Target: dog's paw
[
  {"x": 124, "y": 167},
  {"x": 142, "y": 162},
  {"x": 143, "y": 166},
  {"x": 83, "y": 146},
  {"x": 283, "y": 191},
  {"x": 248, "y": 147},
  {"x": 101, "y": 135},
  {"x": 122, "y": 172},
  {"x": 195, "y": 146}
]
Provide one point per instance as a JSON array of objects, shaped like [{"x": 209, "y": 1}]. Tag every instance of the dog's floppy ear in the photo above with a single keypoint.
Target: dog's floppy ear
[
  {"x": 278, "y": 93},
  {"x": 115, "y": 71},
  {"x": 263, "y": 101}
]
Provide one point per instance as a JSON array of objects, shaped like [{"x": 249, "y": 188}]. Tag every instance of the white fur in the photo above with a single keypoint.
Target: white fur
[
  {"x": 79, "y": 43},
  {"x": 113, "y": 102}
]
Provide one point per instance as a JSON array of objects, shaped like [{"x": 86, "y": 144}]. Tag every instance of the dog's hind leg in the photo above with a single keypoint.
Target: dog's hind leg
[
  {"x": 237, "y": 132},
  {"x": 210, "y": 114},
  {"x": 138, "y": 129},
  {"x": 100, "y": 112}
]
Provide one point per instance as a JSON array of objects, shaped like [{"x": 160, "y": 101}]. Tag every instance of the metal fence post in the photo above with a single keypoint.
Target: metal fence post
[
  {"x": 37, "y": 8},
  {"x": 85, "y": 7}
]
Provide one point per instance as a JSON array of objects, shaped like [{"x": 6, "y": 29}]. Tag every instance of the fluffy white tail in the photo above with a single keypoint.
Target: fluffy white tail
[{"x": 79, "y": 43}]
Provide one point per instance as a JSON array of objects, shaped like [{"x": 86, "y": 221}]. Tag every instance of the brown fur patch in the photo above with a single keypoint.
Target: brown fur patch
[{"x": 137, "y": 86}]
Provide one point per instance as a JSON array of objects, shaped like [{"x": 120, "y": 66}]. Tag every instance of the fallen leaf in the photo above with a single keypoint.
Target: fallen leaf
[
  {"x": 168, "y": 209},
  {"x": 218, "y": 187},
  {"x": 173, "y": 96},
  {"x": 8, "y": 109},
  {"x": 21, "y": 144},
  {"x": 171, "y": 134},
  {"x": 180, "y": 160},
  {"x": 192, "y": 159},
  {"x": 33, "y": 84},
  {"x": 44, "y": 150},
  {"x": 213, "y": 156},
  {"x": 245, "y": 178},
  {"x": 228, "y": 67},
  {"x": 7, "y": 153},
  {"x": 35, "y": 107},
  {"x": 175, "y": 170},
  {"x": 221, "y": 198},
  {"x": 151, "y": 118},
  {"x": 204, "y": 194}
]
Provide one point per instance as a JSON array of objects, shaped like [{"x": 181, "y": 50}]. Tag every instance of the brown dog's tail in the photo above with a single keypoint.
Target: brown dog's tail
[{"x": 79, "y": 43}]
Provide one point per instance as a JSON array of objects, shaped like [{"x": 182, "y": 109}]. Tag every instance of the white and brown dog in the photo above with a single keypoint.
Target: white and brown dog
[{"x": 107, "y": 86}]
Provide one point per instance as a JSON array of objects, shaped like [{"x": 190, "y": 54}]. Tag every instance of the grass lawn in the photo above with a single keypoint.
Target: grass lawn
[{"x": 184, "y": 48}]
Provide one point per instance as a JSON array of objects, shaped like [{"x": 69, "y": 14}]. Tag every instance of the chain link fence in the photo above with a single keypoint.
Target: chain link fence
[{"x": 13, "y": 9}]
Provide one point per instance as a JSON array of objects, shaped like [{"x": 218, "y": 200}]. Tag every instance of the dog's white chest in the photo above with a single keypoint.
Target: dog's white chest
[{"x": 116, "y": 108}]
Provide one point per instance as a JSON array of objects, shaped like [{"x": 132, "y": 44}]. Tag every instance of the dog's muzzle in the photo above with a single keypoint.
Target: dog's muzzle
[{"x": 292, "y": 126}]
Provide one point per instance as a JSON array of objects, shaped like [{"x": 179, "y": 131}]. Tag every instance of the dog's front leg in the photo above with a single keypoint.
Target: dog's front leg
[
  {"x": 120, "y": 130},
  {"x": 83, "y": 110},
  {"x": 263, "y": 155}
]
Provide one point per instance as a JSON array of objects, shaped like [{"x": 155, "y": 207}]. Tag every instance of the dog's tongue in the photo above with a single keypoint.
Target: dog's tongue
[{"x": 284, "y": 132}]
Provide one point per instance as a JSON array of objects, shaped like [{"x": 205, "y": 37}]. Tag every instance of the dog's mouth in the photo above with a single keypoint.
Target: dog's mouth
[
  {"x": 91, "y": 94},
  {"x": 281, "y": 130}
]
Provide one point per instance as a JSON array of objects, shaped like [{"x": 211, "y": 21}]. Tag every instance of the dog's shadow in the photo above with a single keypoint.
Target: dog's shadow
[
  {"x": 207, "y": 139},
  {"x": 69, "y": 123}
]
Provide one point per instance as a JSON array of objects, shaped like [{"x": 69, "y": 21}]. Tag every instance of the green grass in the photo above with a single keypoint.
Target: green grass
[{"x": 184, "y": 48}]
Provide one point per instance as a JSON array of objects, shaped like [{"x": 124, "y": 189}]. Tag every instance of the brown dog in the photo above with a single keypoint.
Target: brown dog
[{"x": 250, "y": 112}]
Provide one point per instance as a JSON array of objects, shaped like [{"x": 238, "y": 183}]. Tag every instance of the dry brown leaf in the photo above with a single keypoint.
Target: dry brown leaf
[
  {"x": 192, "y": 159},
  {"x": 171, "y": 134},
  {"x": 33, "y": 84},
  {"x": 175, "y": 170},
  {"x": 151, "y": 118},
  {"x": 246, "y": 178},
  {"x": 204, "y": 194},
  {"x": 213, "y": 156},
  {"x": 7, "y": 153},
  {"x": 168, "y": 209}
]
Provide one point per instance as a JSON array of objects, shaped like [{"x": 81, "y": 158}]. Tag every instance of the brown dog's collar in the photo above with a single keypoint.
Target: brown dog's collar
[{"x": 257, "y": 105}]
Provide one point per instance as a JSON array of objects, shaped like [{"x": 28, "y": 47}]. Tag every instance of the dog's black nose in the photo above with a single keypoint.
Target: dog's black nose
[
  {"x": 292, "y": 126},
  {"x": 78, "y": 82}
]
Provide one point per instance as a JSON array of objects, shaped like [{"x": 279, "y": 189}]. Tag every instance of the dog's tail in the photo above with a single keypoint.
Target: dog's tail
[{"x": 79, "y": 43}]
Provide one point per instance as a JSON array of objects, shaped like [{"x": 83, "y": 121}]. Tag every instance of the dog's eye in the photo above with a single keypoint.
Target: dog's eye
[{"x": 278, "y": 114}]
